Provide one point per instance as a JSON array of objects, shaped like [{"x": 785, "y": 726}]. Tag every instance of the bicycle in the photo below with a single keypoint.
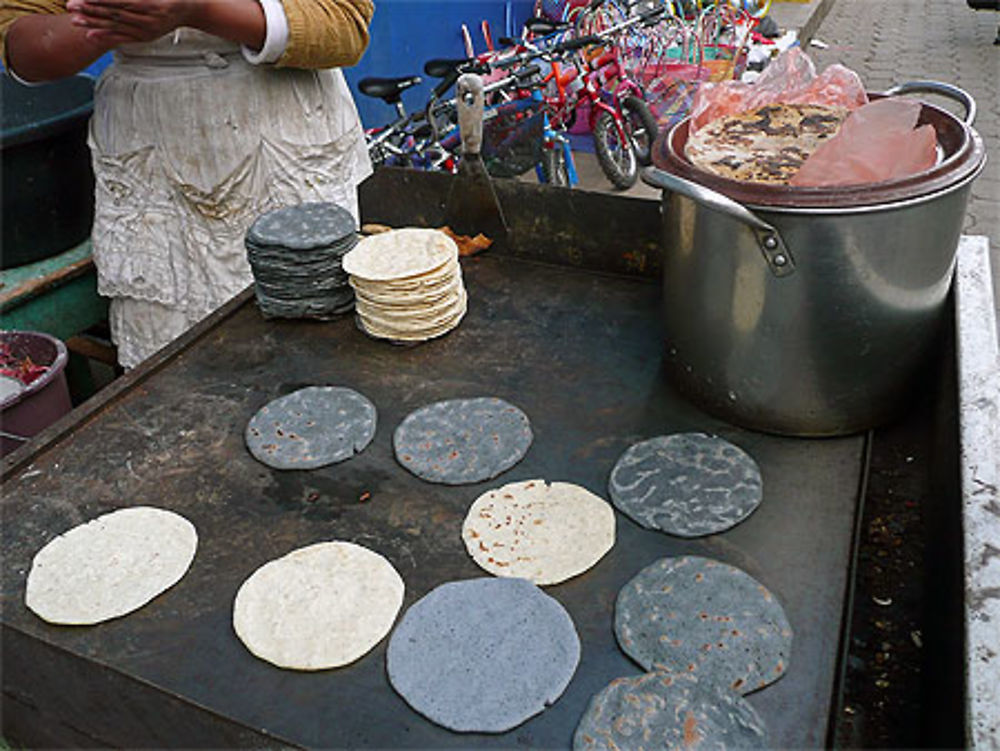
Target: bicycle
[
  {"x": 408, "y": 141},
  {"x": 622, "y": 125},
  {"x": 518, "y": 133}
]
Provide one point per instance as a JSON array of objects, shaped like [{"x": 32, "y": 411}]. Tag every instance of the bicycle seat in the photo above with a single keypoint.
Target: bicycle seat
[
  {"x": 440, "y": 67},
  {"x": 544, "y": 26},
  {"x": 387, "y": 89}
]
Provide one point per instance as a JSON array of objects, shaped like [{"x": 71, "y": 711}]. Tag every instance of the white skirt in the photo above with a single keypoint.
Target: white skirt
[{"x": 190, "y": 145}]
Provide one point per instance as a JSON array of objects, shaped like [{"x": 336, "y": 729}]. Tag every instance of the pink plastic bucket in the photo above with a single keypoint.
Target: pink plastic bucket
[{"x": 41, "y": 402}]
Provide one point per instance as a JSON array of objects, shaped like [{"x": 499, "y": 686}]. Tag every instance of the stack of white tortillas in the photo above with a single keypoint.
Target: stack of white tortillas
[
  {"x": 321, "y": 606},
  {"x": 110, "y": 566},
  {"x": 407, "y": 284},
  {"x": 537, "y": 531}
]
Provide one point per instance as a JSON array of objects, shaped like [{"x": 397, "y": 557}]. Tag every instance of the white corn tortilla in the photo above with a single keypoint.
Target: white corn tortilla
[
  {"x": 416, "y": 285},
  {"x": 415, "y": 321},
  {"x": 110, "y": 566},
  {"x": 321, "y": 606},
  {"x": 408, "y": 284},
  {"x": 400, "y": 254},
  {"x": 426, "y": 311},
  {"x": 408, "y": 299},
  {"x": 417, "y": 332},
  {"x": 536, "y": 531}
]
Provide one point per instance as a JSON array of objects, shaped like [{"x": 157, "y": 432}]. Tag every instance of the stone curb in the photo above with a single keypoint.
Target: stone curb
[{"x": 979, "y": 437}]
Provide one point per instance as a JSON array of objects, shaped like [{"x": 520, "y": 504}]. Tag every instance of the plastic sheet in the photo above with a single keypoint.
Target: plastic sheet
[
  {"x": 790, "y": 79},
  {"x": 877, "y": 142}
]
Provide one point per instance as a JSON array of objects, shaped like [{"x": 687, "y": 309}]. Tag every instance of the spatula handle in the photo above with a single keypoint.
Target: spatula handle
[{"x": 469, "y": 100}]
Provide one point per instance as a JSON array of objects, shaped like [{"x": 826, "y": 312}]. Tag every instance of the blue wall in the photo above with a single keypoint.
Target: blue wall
[{"x": 407, "y": 33}]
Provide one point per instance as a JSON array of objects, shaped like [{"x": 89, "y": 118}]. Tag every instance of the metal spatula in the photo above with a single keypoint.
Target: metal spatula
[{"x": 472, "y": 206}]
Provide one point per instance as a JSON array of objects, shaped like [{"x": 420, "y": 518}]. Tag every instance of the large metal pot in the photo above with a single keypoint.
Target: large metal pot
[{"x": 810, "y": 311}]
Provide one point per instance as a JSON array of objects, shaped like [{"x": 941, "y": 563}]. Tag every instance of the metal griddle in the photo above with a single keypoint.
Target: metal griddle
[{"x": 549, "y": 329}]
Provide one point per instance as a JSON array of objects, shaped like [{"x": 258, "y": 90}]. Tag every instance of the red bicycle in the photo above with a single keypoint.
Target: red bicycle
[{"x": 621, "y": 122}]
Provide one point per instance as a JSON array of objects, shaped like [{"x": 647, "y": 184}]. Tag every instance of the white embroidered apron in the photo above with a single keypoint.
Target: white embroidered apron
[{"x": 190, "y": 144}]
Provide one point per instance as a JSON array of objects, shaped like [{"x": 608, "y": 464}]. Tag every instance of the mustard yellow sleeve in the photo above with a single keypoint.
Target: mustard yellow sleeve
[
  {"x": 11, "y": 10},
  {"x": 326, "y": 33}
]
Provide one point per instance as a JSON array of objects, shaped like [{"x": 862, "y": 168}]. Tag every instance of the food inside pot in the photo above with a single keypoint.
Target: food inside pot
[
  {"x": 880, "y": 141},
  {"x": 792, "y": 127},
  {"x": 790, "y": 79},
  {"x": 768, "y": 145}
]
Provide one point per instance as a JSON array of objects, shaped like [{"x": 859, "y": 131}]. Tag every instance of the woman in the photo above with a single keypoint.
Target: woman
[{"x": 212, "y": 113}]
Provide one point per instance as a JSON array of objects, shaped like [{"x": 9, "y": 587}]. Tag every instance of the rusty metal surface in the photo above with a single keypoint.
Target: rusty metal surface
[
  {"x": 576, "y": 228},
  {"x": 578, "y": 351}
]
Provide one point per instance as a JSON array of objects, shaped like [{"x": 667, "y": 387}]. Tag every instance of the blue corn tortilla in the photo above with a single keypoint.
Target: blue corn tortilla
[
  {"x": 303, "y": 226},
  {"x": 483, "y": 655},
  {"x": 296, "y": 256},
  {"x": 311, "y": 427},
  {"x": 706, "y": 618},
  {"x": 462, "y": 441},
  {"x": 657, "y": 711},
  {"x": 686, "y": 484}
]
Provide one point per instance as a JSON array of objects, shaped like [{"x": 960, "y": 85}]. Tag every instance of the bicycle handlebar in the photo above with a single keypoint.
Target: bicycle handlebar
[
  {"x": 537, "y": 25},
  {"x": 571, "y": 45},
  {"x": 519, "y": 79}
]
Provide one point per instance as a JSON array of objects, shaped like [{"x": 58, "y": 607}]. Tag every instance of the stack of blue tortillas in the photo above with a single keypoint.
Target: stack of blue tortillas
[
  {"x": 296, "y": 256},
  {"x": 311, "y": 427},
  {"x": 483, "y": 655},
  {"x": 686, "y": 484}
]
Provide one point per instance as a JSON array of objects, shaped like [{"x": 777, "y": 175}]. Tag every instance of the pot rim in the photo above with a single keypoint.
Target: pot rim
[
  {"x": 965, "y": 157},
  {"x": 869, "y": 208},
  {"x": 76, "y": 108}
]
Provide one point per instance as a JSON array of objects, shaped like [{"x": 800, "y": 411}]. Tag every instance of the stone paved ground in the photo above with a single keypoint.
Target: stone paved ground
[{"x": 894, "y": 41}]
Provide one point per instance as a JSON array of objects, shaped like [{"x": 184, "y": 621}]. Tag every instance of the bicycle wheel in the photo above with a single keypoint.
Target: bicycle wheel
[
  {"x": 554, "y": 170},
  {"x": 641, "y": 128},
  {"x": 615, "y": 156}
]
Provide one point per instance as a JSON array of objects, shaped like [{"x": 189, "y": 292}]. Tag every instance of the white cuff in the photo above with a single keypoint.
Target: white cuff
[{"x": 276, "y": 38}]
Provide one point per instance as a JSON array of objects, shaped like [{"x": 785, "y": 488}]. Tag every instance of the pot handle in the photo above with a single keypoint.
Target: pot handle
[
  {"x": 937, "y": 87},
  {"x": 779, "y": 258}
]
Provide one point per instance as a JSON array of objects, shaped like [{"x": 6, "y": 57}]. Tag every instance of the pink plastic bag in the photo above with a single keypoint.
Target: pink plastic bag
[
  {"x": 876, "y": 142},
  {"x": 790, "y": 79}
]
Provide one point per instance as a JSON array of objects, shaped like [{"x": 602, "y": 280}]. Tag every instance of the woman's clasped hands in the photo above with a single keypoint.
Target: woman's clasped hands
[{"x": 115, "y": 22}]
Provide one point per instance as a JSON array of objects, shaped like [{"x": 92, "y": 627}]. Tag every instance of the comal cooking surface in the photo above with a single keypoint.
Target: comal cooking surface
[{"x": 579, "y": 352}]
